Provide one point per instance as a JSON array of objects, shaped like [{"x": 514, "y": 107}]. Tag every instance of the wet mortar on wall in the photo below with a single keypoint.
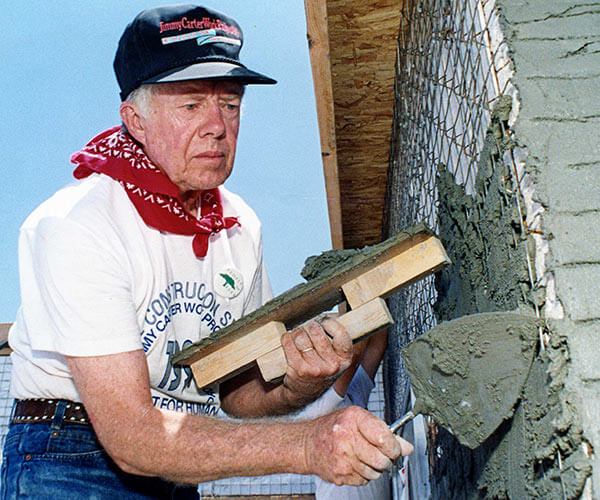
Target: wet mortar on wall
[{"x": 537, "y": 453}]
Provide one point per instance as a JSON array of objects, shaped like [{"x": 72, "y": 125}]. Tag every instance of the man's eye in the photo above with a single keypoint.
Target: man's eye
[
  {"x": 231, "y": 107},
  {"x": 191, "y": 107}
]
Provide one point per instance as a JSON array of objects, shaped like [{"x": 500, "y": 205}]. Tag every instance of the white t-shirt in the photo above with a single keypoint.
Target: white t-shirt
[{"x": 96, "y": 280}]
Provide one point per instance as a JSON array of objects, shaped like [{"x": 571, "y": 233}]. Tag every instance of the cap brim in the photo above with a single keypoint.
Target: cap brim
[{"x": 212, "y": 70}]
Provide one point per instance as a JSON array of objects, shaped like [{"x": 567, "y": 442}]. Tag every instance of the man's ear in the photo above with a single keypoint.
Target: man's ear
[{"x": 133, "y": 121}]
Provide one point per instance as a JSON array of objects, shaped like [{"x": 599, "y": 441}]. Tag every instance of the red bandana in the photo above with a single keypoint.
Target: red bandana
[{"x": 155, "y": 197}]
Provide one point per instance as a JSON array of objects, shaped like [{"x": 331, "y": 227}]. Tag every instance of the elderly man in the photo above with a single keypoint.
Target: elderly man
[{"x": 126, "y": 267}]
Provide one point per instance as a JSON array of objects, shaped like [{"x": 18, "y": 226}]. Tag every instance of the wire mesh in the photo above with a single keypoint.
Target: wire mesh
[{"x": 452, "y": 66}]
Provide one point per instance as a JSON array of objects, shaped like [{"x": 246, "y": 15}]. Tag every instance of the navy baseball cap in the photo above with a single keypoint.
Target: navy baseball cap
[{"x": 181, "y": 42}]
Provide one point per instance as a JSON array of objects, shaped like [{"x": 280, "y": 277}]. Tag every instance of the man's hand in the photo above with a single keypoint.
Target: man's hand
[
  {"x": 352, "y": 446},
  {"x": 317, "y": 353}
]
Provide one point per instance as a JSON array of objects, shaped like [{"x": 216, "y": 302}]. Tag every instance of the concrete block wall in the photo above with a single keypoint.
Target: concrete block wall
[
  {"x": 556, "y": 53},
  {"x": 555, "y": 46}
]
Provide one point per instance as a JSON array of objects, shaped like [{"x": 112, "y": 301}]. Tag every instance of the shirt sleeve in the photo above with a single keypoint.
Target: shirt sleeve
[
  {"x": 360, "y": 388},
  {"x": 76, "y": 290},
  {"x": 326, "y": 403},
  {"x": 358, "y": 394}
]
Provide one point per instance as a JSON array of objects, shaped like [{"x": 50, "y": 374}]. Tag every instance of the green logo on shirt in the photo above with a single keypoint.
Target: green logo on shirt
[{"x": 228, "y": 280}]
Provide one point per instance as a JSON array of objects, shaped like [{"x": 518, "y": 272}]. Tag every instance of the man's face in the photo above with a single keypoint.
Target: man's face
[{"x": 191, "y": 129}]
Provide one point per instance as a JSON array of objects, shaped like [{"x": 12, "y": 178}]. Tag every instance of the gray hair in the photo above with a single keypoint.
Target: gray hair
[{"x": 141, "y": 97}]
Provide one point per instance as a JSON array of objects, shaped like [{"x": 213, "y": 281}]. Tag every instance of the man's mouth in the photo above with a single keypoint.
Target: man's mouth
[{"x": 211, "y": 154}]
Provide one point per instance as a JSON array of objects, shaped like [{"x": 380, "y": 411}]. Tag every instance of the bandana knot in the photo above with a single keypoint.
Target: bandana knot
[{"x": 155, "y": 197}]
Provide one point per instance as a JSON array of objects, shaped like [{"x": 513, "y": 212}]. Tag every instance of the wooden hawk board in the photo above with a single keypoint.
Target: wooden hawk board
[{"x": 373, "y": 273}]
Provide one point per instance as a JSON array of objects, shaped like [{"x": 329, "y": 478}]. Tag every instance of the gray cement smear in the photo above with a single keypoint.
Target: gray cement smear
[
  {"x": 482, "y": 235},
  {"x": 322, "y": 264},
  {"x": 468, "y": 373}
]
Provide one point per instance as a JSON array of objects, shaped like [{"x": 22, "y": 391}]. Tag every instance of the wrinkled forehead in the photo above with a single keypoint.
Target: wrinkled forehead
[{"x": 221, "y": 86}]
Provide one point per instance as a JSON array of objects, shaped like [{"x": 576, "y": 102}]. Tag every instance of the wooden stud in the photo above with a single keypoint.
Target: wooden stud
[
  {"x": 362, "y": 40},
  {"x": 318, "y": 44}
]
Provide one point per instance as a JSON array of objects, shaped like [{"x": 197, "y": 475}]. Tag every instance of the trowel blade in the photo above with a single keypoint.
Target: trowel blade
[{"x": 468, "y": 373}]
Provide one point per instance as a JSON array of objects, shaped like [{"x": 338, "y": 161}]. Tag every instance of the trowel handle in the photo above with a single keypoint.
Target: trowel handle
[
  {"x": 358, "y": 322},
  {"x": 398, "y": 424}
]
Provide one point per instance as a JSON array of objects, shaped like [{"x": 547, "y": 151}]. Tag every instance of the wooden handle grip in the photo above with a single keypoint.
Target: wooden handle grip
[{"x": 359, "y": 323}]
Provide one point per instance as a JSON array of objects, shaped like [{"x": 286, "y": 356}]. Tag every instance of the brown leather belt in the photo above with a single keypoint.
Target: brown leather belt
[{"x": 31, "y": 411}]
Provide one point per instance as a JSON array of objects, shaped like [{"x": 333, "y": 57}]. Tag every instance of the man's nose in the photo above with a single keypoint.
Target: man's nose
[{"x": 212, "y": 122}]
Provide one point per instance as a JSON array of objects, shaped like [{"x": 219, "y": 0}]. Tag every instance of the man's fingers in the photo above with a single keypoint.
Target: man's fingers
[
  {"x": 406, "y": 447},
  {"x": 373, "y": 458},
  {"x": 377, "y": 448},
  {"x": 377, "y": 433},
  {"x": 367, "y": 472},
  {"x": 308, "y": 347},
  {"x": 340, "y": 340},
  {"x": 320, "y": 341},
  {"x": 290, "y": 348},
  {"x": 302, "y": 339}
]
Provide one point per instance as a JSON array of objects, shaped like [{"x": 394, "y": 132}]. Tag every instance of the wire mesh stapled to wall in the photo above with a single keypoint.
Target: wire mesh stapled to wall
[{"x": 452, "y": 66}]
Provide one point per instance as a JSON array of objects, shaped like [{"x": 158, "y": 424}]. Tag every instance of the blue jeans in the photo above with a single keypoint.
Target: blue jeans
[{"x": 60, "y": 460}]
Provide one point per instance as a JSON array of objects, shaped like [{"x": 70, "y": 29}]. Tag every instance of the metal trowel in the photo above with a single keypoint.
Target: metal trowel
[{"x": 468, "y": 373}]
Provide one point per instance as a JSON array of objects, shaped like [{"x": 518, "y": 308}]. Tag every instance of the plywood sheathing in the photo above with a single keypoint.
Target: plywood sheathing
[{"x": 362, "y": 53}]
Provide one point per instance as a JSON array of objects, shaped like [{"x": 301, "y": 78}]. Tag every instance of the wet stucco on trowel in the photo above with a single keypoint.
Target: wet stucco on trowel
[
  {"x": 468, "y": 373},
  {"x": 544, "y": 450}
]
